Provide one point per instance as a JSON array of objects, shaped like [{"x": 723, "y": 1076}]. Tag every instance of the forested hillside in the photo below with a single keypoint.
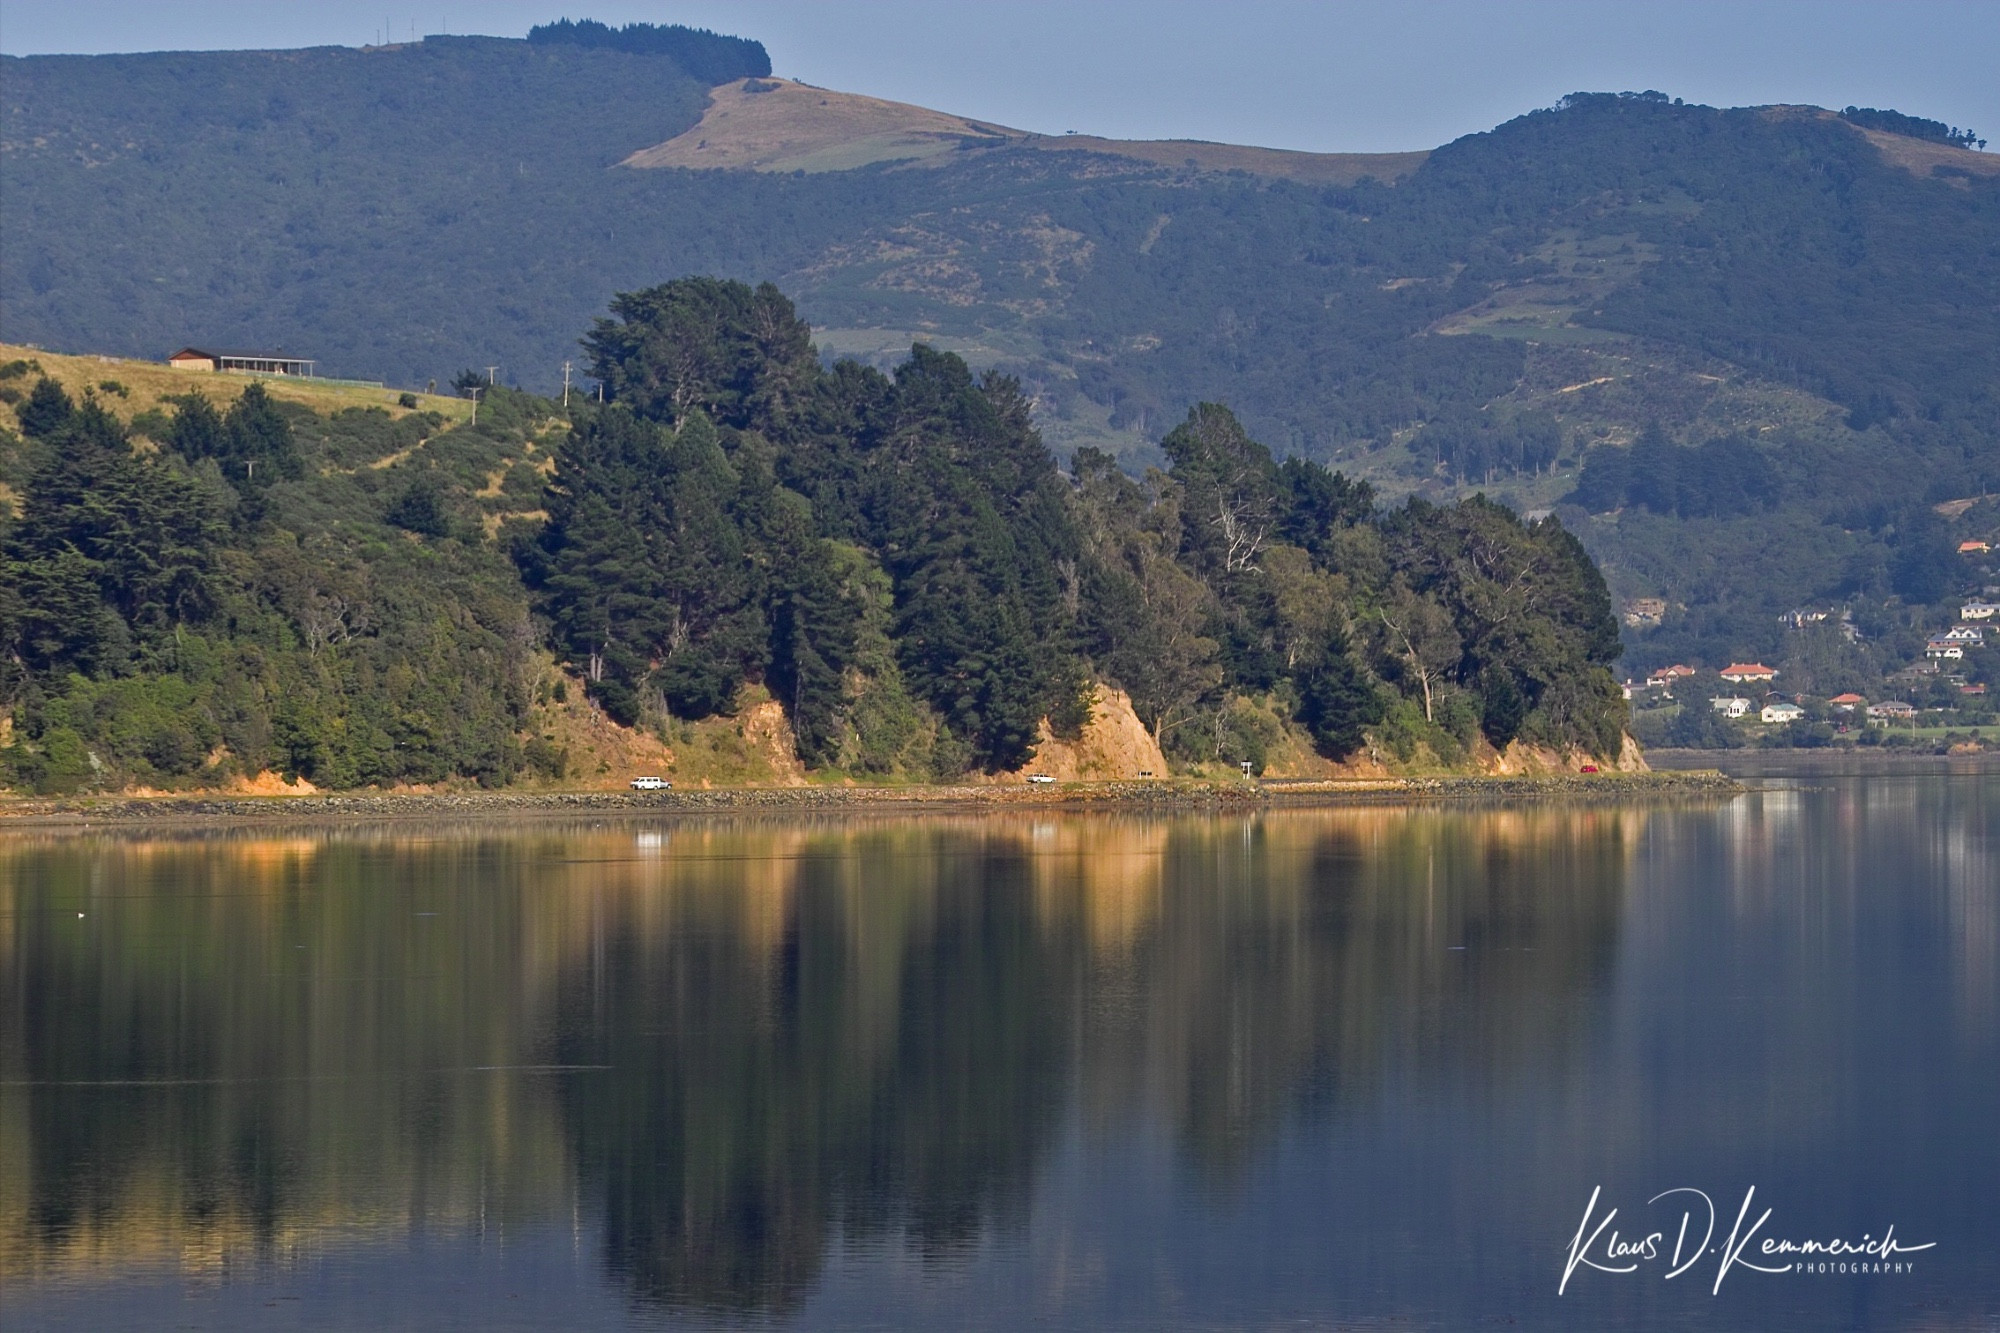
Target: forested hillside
[
  {"x": 193, "y": 594},
  {"x": 1801, "y": 305}
]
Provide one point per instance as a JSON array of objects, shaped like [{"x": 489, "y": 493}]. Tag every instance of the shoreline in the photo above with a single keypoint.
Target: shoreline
[{"x": 1155, "y": 796}]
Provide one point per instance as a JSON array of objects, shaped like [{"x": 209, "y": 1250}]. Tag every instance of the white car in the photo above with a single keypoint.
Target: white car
[
  {"x": 1040, "y": 779},
  {"x": 651, "y": 784}
]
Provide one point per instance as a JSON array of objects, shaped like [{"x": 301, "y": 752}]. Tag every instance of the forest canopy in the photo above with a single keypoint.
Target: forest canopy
[{"x": 895, "y": 559}]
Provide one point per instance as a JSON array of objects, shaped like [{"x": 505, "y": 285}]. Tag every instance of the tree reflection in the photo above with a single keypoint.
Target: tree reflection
[{"x": 733, "y": 1043}]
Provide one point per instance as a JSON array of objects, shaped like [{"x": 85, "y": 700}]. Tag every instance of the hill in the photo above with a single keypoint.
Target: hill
[
  {"x": 743, "y": 566},
  {"x": 1812, "y": 294}
]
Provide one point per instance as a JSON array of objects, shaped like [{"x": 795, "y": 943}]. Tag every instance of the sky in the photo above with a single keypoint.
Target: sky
[{"x": 1326, "y": 77}]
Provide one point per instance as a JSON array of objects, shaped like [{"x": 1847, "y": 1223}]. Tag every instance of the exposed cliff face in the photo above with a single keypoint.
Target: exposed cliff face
[
  {"x": 1115, "y": 744},
  {"x": 1520, "y": 757}
]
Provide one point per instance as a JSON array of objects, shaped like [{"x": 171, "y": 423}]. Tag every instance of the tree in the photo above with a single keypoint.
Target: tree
[
  {"x": 1337, "y": 700},
  {"x": 47, "y": 410},
  {"x": 419, "y": 509},
  {"x": 1422, "y": 640},
  {"x": 196, "y": 431},
  {"x": 742, "y": 357},
  {"x": 109, "y": 548},
  {"x": 1231, "y": 489}
]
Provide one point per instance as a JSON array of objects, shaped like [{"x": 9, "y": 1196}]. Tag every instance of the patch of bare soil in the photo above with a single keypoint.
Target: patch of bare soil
[
  {"x": 779, "y": 125},
  {"x": 1114, "y": 744}
]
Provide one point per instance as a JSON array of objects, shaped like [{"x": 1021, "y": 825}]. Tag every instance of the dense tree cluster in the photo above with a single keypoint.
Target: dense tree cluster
[
  {"x": 710, "y": 57},
  {"x": 1915, "y": 127},
  {"x": 1225, "y": 579},
  {"x": 235, "y": 592},
  {"x": 897, "y": 559}
]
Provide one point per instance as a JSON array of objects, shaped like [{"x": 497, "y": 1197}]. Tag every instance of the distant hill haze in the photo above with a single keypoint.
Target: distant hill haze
[{"x": 1742, "y": 351}]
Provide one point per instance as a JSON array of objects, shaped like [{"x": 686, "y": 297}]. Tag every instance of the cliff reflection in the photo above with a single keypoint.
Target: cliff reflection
[{"x": 724, "y": 1045}]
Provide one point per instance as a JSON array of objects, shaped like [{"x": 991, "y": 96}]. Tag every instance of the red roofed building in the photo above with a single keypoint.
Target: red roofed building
[
  {"x": 1848, "y": 702},
  {"x": 1743, "y": 673}
]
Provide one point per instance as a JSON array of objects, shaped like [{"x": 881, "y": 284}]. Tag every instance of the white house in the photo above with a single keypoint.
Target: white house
[
  {"x": 1730, "y": 707},
  {"x": 1892, "y": 710},
  {"x": 1967, "y": 634},
  {"x": 1744, "y": 673},
  {"x": 1978, "y": 611},
  {"x": 1945, "y": 649},
  {"x": 1783, "y": 712}
]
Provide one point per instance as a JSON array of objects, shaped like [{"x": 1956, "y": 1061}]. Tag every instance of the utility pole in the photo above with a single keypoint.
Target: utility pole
[
  {"x": 492, "y": 371},
  {"x": 565, "y": 384},
  {"x": 475, "y": 392}
]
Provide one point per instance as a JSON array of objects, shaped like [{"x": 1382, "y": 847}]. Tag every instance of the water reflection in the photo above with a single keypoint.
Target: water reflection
[{"x": 721, "y": 1053}]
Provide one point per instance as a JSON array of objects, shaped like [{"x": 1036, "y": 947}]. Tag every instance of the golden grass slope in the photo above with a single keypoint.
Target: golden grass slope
[
  {"x": 780, "y": 125},
  {"x": 146, "y": 383},
  {"x": 1919, "y": 157}
]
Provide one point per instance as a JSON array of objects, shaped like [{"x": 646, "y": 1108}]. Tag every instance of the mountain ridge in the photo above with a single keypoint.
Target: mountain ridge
[
  {"x": 1528, "y": 299},
  {"x": 781, "y": 125}
]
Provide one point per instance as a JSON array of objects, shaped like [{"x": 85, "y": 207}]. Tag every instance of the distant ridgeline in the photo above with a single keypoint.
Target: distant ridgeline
[
  {"x": 896, "y": 560},
  {"x": 1802, "y": 304},
  {"x": 708, "y": 56}
]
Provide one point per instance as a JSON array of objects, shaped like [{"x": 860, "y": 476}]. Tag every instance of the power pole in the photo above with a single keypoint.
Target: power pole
[
  {"x": 475, "y": 392},
  {"x": 565, "y": 384},
  {"x": 492, "y": 371}
]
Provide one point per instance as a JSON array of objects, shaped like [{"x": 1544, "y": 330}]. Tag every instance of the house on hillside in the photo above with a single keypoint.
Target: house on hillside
[
  {"x": 1729, "y": 707},
  {"x": 1848, "y": 702},
  {"x": 1974, "y": 548},
  {"x": 1644, "y": 612},
  {"x": 1805, "y": 616},
  {"x": 1744, "y": 673},
  {"x": 1970, "y": 635},
  {"x": 1945, "y": 650},
  {"x": 1782, "y": 713},
  {"x": 1893, "y": 710},
  {"x": 1666, "y": 677},
  {"x": 252, "y": 363},
  {"x": 1979, "y": 610}
]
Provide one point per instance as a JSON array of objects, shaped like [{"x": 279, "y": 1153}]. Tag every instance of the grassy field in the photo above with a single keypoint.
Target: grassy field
[{"x": 143, "y": 384}]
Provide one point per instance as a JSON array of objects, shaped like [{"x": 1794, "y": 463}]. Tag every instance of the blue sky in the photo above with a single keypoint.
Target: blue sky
[{"x": 1327, "y": 77}]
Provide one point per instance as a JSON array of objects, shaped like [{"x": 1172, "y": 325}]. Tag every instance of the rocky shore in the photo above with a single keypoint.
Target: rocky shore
[{"x": 1157, "y": 795}]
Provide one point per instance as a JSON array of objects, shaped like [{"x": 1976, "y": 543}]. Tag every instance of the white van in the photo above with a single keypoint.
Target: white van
[
  {"x": 1040, "y": 779},
  {"x": 651, "y": 784}
]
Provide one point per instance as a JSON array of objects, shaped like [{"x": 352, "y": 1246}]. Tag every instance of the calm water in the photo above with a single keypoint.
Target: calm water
[{"x": 1358, "y": 1068}]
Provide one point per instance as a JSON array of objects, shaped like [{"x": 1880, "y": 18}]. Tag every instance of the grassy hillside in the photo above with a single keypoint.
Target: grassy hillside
[{"x": 1821, "y": 292}]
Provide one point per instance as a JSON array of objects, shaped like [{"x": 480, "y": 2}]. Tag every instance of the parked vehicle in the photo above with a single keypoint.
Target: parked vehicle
[
  {"x": 1040, "y": 779},
  {"x": 651, "y": 784}
]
